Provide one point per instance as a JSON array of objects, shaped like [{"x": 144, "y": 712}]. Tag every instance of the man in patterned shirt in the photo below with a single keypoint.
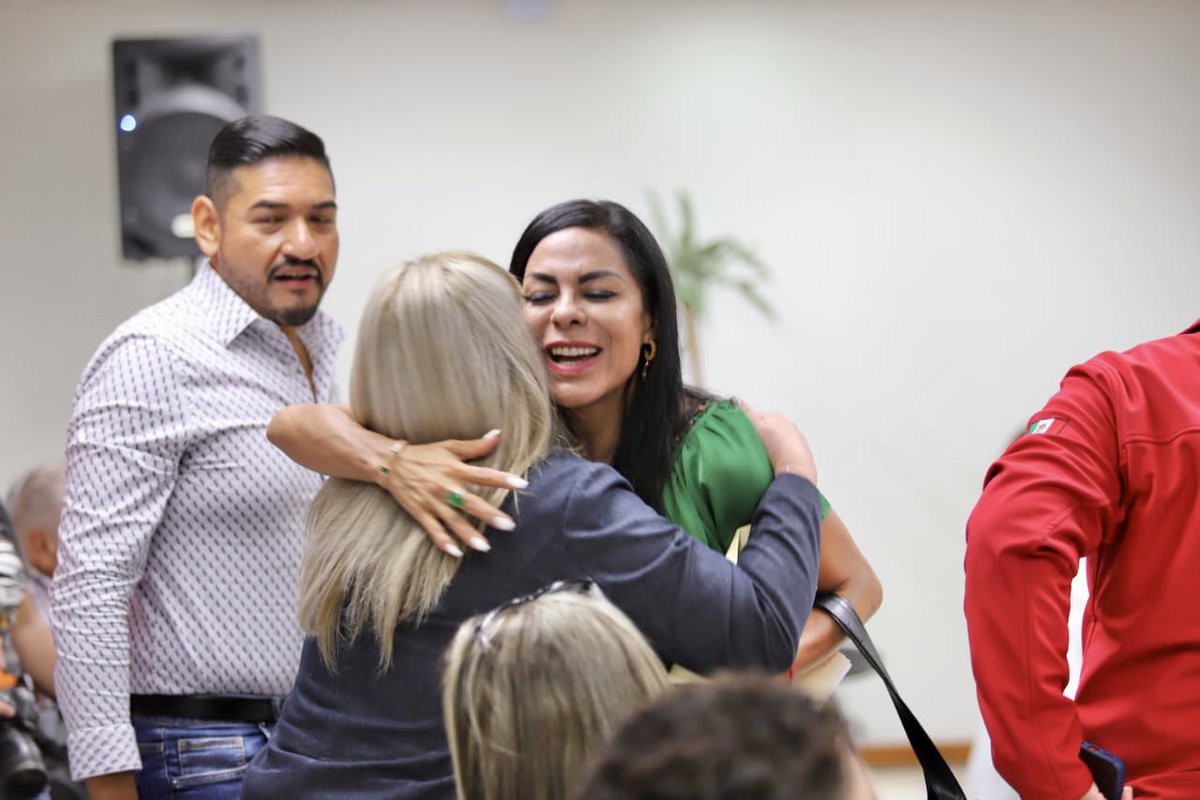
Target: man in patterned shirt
[{"x": 174, "y": 600}]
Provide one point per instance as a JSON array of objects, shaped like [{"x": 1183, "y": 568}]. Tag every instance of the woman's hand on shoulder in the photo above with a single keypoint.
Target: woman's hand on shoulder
[
  {"x": 784, "y": 442},
  {"x": 429, "y": 480},
  {"x": 423, "y": 478}
]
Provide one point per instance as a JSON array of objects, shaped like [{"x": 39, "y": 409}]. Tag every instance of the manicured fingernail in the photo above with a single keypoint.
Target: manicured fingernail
[
  {"x": 492, "y": 434},
  {"x": 452, "y": 549},
  {"x": 479, "y": 543},
  {"x": 503, "y": 523},
  {"x": 517, "y": 483}
]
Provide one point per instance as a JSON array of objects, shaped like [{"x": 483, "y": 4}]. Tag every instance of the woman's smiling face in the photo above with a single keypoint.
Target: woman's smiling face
[{"x": 585, "y": 308}]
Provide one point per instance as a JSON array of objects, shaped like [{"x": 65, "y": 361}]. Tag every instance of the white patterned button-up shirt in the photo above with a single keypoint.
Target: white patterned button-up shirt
[{"x": 182, "y": 530}]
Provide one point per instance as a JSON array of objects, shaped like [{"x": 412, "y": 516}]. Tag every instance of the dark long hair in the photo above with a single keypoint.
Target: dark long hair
[{"x": 656, "y": 412}]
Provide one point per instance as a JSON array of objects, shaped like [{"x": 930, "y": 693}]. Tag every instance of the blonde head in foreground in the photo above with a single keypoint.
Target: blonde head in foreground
[{"x": 532, "y": 696}]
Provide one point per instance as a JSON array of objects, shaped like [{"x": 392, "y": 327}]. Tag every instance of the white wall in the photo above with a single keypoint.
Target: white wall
[{"x": 960, "y": 200}]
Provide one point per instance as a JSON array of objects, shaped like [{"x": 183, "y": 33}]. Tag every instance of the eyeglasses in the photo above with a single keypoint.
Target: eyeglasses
[{"x": 577, "y": 586}]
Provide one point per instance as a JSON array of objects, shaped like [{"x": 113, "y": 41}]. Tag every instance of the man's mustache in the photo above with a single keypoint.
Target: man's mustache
[{"x": 291, "y": 263}]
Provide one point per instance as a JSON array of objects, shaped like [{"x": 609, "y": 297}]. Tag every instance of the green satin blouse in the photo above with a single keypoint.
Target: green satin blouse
[{"x": 721, "y": 471}]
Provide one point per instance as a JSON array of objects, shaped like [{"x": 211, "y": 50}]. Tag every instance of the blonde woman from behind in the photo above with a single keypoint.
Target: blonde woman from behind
[{"x": 534, "y": 688}]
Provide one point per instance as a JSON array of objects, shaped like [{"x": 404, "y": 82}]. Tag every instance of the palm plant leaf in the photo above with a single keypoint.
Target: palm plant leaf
[
  {"x": 698, "y": 265},
  {"x": 750, "y": 292},
  {"x": 690, "y": 294},
  {"x": 687, "y": 224},
  {"x": 734, "y": 250}
]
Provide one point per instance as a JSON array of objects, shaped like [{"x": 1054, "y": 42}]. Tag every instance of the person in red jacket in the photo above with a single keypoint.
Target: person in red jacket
[{"x": 1109, "y": 469}]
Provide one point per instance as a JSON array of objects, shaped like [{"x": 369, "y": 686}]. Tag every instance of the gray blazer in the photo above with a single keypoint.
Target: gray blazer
[{"x": 359, "y": 734}]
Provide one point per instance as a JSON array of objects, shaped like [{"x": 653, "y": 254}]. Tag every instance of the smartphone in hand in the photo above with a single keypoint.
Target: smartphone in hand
[{"x": 1108, "y": 770}]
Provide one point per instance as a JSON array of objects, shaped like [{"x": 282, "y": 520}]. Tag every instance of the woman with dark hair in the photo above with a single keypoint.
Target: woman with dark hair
[
  {"x": 599, "y": 299},
  {"x": 589, "y": 249}
]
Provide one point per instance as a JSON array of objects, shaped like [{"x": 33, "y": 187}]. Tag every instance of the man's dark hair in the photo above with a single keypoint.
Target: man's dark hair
[
  {"x": 250, "y": 140},
  {"x": 657, "y": 408},
  {"x": 744, "y": 738}
]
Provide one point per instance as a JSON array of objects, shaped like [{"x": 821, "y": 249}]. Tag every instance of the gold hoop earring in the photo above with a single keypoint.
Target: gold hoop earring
[{"x": 649, "y": 352}]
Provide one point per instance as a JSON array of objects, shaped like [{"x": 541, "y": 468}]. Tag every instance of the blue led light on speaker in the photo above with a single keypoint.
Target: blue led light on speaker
[{"x": 128, "y": 123}]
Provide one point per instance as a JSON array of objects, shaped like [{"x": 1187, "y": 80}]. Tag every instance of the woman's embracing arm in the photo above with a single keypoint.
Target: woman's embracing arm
[{"x": 421, "y": 477}]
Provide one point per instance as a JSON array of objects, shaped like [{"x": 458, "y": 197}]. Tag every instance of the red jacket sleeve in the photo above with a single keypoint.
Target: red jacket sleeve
[{"x": 1048, "y": 501}]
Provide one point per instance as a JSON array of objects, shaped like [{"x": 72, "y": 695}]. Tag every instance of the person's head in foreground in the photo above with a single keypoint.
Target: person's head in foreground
[
  {"x": 736, "y": 738},
  {"x": 534, "y": 688}
]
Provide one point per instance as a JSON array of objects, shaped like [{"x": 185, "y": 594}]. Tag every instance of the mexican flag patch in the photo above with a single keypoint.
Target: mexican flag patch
[{"x": 1047, "y": 425}]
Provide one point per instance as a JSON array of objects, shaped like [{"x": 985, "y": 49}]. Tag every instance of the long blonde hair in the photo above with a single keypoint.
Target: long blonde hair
[
  {"x": 443, "y": 353},
  {"x": 529, "y": 701}
]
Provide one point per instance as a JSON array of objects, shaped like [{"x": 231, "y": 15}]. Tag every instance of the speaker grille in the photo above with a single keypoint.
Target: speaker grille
[{"x": 172, "y": 96}]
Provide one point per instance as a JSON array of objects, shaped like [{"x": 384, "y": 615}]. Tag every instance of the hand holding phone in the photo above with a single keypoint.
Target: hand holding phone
[
  {"x": 1108, "y": 770},
  {"x": 1094, "y": 794}
]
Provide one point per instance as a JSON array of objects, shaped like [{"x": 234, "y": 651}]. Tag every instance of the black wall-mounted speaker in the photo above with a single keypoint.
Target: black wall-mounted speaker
[{"x": 172, "y": 96}]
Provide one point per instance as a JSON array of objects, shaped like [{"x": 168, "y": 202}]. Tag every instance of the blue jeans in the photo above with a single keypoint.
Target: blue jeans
[{"x": 195, "y": 759}]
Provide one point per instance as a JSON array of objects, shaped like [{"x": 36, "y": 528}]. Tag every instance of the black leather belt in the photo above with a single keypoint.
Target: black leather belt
[{"x": 222, "y": 708}]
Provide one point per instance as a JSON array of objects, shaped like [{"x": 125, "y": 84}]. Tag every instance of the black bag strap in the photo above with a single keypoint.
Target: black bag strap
[{"x": 940, "y": 783}]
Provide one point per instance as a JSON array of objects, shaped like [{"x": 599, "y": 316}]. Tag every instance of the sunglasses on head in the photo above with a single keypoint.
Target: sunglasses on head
[{"x": 576, "y": 586}]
